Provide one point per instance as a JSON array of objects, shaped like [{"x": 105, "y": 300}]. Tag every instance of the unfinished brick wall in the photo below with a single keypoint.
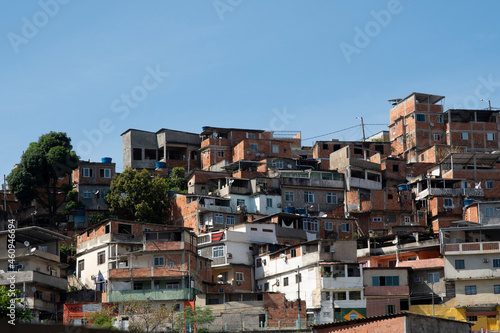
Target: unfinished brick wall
[{"x": 282, "y": 313}]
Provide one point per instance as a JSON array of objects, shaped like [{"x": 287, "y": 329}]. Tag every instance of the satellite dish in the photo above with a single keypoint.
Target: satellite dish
[
  {"x": 431, "y": 123},
  {"x": 26, "y": 243},
  {"x": 33, "y": 289},
  {"x": 33, "y": 250}
]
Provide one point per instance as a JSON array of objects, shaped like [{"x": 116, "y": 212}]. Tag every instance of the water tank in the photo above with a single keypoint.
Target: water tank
[
  {"x": 468, "y": 202},
  {"x": 160, "y": 165},
  {"x": 106, "y": 160},
  {"x": 403, "y": 187},
  {"x": 204, "y": 128},
  {"x": 300, "y": 211},
  {"x": 289, "y": 210}
]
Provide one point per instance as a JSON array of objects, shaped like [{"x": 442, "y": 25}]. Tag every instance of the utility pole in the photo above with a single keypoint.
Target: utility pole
[
  {"x": 362, "y": 127},
  {"x": 299, "y": 278}
]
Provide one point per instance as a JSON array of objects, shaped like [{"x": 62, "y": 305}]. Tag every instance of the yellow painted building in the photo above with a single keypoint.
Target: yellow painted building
[{"x": 487, "y": 320}]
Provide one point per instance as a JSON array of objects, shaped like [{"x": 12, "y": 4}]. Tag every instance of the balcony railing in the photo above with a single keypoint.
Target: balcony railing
[
  {"x": 151, "y": 295},
  {"x": 472, "y": 247},
  {"x": 473, "y": 192},
  {"x": 36, "y": 278}
]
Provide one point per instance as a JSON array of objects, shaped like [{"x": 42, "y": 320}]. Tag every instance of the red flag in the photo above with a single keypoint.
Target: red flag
[{"x": 217, "y": 237}]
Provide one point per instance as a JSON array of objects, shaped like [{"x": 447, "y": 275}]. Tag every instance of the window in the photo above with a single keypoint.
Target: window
[
  {"x": 331, "y": 198},
  {"x": 230, "y": 220},
  {"x": 489, "y": 212},
  {"x": 138, "y": 286},
  {"x": 379, "y": 281},
  {"x": 173, "y": 285},
  {"x": 470, "y": 290},
  {"x": 437, "y": 137},
  {"x": 420, "y": 117},
  {"x": 240, "y": 276},
  {"x": 38, "y": 294},
  {"x": 170, "y": 265},
  {"x": 377, "y": 219},
  {"x": 220, "y": 153},
  {"x": 150, "y": 154},
  {"x": 102, "y": 194},
  {"x": 101, "y": 257},
  {"x": 298, "y": 278},
  {"x": 472, "y": 318},
  {"x": 394, "y": 130},
  {"x": 240, "y": 202},
  {"x": 285, "y": 281},
  {"x": 308, "y": 196},
  {"x": 278, "y": 164},
  {"x": 266, "y": 286},
  {"x": 346, "y": 227},
  {"x": 390, "y": 309},
  {"x": 459, "y": 264},
  {"x": 159, "y": 261},
  {"x": 496, "y": 263},
  {"x": 269, "y": 202},
  {"x": 422, "y": 158},
  {"x": 328, "y": 226},
  {"x": 490, "y": 136},
  {"x": 81, "y": 267},
  {"x": 276, "y": 149},
  {"x": 289, "y": 196},
  {"x": 395, "y": 167},
  {"x": 496, "y": 288},
  {"x": 439, "y": 118},
  {"x": 218, "y": 251},
  {"x": 355, "y": 295},
  {"x": 137, "y": 154},
  {"x": 219, "y": 219},
  {"x": 340, "y": 296},
  {"x": 105, "y": 173},
  {"x": 87, "y": 194},
  {"x": 293, "y": 253},
  {"x": 87, "y": 172},
  {"x": 250, "y": 135},
  {"x": 464, "y": 136},
  {"x": 310, "y": 225},
  {"x": 433, "y": 277},
  {"x": 448, "y": 202},
  {"x": 254, "y": 147},
  {"x": 489, "y": 184},
  {"x": 407, "y": 220},
  {"x": 53, "y": 298}
]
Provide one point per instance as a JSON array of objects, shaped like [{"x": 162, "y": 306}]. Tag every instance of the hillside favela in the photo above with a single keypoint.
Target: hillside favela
[{"x": 237, "y": 229}]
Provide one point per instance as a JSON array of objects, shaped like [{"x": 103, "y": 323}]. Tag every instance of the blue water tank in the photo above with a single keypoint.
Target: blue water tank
[
  {"x": 289, "y": 210},
  {"x": 300, "y": 211},
  {"x": 403, "y": 187},
  {"x": 106, "y": 160},
  {"x": 468, "y": 202},
  {"x": 161, "y": 165}
]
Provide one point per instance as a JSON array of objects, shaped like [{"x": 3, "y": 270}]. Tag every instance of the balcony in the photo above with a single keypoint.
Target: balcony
[
  {"x": 214, "y": 208},
  {"x": 364, "y": 183},
  {"x": 35, "y": 278},
  {"x": 472, "y": 248},
  {"x": 355, "y": 282},
  {"x": 151, "y": 295},
  {"x": 448, "y": 192},
  {"x": 473, "y": 192},
  {"x": 328, "y": 183},
  {"x": 159, "y": 271}
]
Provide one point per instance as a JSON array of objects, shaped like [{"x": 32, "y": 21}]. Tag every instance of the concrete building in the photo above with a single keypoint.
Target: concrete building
[
  {"x": 471, "y": 261},
  {"x": 37, "y": 269},
  {"x": 143, "y": 150},
  {"x": 324, "y": 273},
  {"x": 129, "y": 260},
  {"x": 92, "y": 181}
]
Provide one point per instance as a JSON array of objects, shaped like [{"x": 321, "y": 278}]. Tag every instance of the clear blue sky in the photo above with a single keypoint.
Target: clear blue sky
[{"x": 232, "y": 63}]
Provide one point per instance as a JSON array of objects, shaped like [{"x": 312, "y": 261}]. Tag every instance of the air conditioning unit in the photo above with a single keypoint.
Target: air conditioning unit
[
  {"x": 229, "y": 256},
  {"x": 485, "y": 260}
]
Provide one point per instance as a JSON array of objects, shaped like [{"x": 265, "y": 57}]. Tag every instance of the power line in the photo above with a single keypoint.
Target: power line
[{"x": 344, "y": 129}]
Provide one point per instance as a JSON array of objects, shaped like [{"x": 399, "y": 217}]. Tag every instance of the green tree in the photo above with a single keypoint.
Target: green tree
[
  {"x": 137, "y": 196},
  {"x": 194, "y": 317},
  {"x": 11, "y": 306},
  {"x": 177, "y": 180},
  {"x": 103, "y": 319},
  {"x": 72, "y": 202},
  {"x": 36, "y": 176}
]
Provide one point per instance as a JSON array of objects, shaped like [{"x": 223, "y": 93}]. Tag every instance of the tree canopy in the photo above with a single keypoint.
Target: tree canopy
[
  {"x": 11, "y": 306},
  {"x": 138, "y": 196},
  {"x": 42, "y": 164}
]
